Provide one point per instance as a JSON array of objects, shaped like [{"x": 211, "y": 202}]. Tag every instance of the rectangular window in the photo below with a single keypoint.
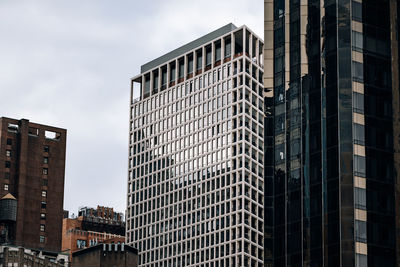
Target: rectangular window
[
  {"x": 43, "y": 216},
  {"x": 199, "y": 60},
  {"x": 190, "y": 64},
  {"x": 359, "y": 134},
  {"x": 44, "y": 182},
  {"x": 358, "y": 103},
  {"x": 208, "y": 56},
  {"x": 45, "y": 171},
  {"x": 44, "y": 193},
  {"x": 361, "y": 231},
  {"x": 181, "y": 68},
  {"x": 361, "y": 260},
  {"x": 43, "y": 205},
  {"x": 46, "y": 160},
  {"x": 7, "y": 175},
  {"x": 359, "y": 166},
  {"x": 8, "y": 153},
  {"x": 6, "y": 187},
  {"x": 358, "y": 43},
  {"x": 8, "y": 164},
  {"x": 217, "y": 51},
  {"x": 358, "y": 71},
  {"x": 360, "y": 198},
  {"x": 9, "y": 141},
  {"x": 172, "y": 73},
  {"x": 42, "y": 227},
  {"x": 227, "y": 48},
  {"x": 46, "y": 149},
  {"x": 42, "y": 239},
  {"x": 356, "y": 9}
]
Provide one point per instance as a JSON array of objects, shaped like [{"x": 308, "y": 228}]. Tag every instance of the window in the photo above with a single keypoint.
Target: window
[
  {"x": 9, "y": 141},
  {"x": 359, "y": 166},
  {"x": 42, "y": 227},
  {"x": 359, "y": 134},
  {"x": 45, "y": 171},
  {"x": 358, "y": 71},
  {"x": 44, "y": 182},
  {"x": 361, "y": 231},
  {"x": 6, "y": 187},
  {"x": 46, "y": 149},
  {"x": 7, "y": 175},
  {"x": 44, "y": 193},
  {"x": 356, "y": 11},
  {"x": 43, "y": 216},
  {"x": 8, "y": 153},
  {"x": 358, "y": 102},
  {"x": 360, "y": 198},
  {"x": 358, "y": 41},
  {"x": 8, "y": 164},
  {"x": 361, "y": 260},
  {"x": 46, "y": 160},
  {"x": 42, "y": 239},
  {"x": 43, "y": 205}
]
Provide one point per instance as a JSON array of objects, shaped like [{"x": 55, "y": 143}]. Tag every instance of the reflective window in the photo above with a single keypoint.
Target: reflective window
[
  {"x": 360, "y": 198},
  {"x": 356, "y": 9}
]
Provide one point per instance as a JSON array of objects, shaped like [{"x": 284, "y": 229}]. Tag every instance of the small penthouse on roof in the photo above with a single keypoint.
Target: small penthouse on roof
[{"x": 196, "y": 57}]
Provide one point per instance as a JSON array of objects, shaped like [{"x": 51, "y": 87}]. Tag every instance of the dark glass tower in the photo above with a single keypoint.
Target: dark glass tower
[{"x": 331, "y": 78}]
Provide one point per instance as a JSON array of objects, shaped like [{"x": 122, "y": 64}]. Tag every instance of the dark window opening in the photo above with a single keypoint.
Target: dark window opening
[
  {"x": 199, "y": 60},
  {"x": 190, "y": 64},
  {"x": 356, "y": 9},
  {"x": 228, "y": 47},
  {"x": 217, "y": 51},
  {"x": 208, "y": 56}
]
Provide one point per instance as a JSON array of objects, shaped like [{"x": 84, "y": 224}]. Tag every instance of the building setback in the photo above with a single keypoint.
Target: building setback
[
  {"x": 195, "y": 184},
  {"x": 32, "y": 165},
  {"x": 332, "y": 188}
]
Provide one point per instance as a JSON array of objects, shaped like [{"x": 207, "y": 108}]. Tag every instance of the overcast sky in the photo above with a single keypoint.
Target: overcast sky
[{"x": 68, "y": 64}]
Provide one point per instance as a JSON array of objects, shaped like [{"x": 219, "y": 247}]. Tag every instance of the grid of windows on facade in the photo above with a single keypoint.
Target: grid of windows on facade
[{"x": 195, "y": 185}]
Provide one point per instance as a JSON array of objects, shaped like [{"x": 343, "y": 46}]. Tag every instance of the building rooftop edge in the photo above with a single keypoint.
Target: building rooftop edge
[
  {"x": 187, "y": 47},
  {"x": 34, "y": 123},
  {"x": 100, "y": 247}
]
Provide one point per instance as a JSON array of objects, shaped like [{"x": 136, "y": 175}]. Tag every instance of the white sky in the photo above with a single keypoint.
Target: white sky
[{"x": 68, "y": 64}]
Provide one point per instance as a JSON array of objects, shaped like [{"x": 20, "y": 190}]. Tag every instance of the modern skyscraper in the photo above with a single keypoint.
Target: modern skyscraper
[
  {"x": 32, "y": 170},
  {"x": 332, "y": 197},
  {"x": 195, "y": 185}
]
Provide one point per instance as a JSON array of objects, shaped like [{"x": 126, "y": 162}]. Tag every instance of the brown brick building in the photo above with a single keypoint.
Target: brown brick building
[
  {"x": 32, "y": 166},
  {"x": 91, "y": 227}
]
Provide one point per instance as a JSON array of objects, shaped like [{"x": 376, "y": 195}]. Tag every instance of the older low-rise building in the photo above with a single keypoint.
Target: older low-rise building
[
  {"x": 116, "y": 255},
  {"x": 92, "y": 227},
  {"x": 19, "y": 256}
]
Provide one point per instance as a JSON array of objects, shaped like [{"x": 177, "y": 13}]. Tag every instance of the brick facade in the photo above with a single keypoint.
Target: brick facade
[{"x": 32, "y": 168}]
